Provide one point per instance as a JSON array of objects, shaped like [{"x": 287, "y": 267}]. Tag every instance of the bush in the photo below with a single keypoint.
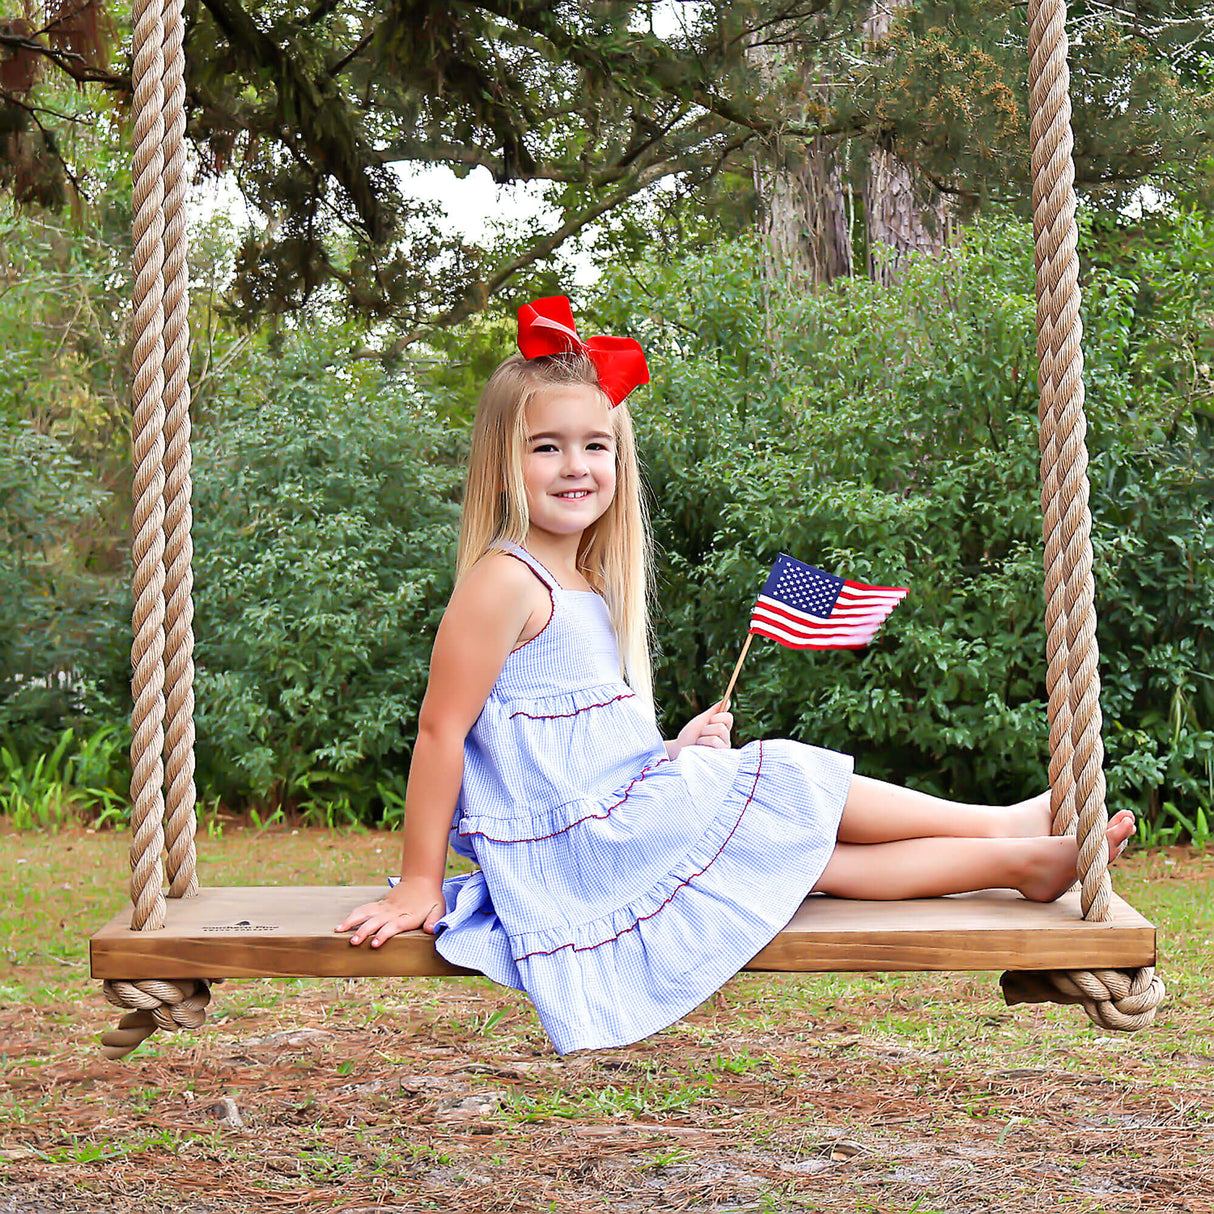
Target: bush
[
  {"x": 325, "y": 524},
  {"x": 890, "y": 435},
  {"x": 58, "y": 619},
  {"x": 886, "y": 434}
]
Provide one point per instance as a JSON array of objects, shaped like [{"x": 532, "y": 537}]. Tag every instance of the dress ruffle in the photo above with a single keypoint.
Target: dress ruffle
[
  {"x": 538, "y": 825},
  {"x": 535, "y": 765},
  {"x": 615, "y": 978}
]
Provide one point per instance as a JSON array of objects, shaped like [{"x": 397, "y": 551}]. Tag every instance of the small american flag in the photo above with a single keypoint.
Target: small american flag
[{"x": 804, "y": 608}]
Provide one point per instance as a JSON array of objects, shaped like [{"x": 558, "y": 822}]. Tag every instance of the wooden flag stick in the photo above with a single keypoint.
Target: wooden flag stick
[{"x": 733, "y": 678}]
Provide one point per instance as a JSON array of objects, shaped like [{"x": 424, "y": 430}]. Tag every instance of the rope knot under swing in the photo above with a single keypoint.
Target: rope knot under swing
[
  {"x": 158, "y": 1004},
  {"x": 1119, "y": 1000}
]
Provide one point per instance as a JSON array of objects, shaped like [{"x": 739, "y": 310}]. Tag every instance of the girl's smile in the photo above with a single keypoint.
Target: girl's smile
[{"x": 569, "y": 459}]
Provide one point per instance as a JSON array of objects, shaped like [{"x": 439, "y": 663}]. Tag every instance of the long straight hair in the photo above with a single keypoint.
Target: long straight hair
[{"x": 615, "y": 552}]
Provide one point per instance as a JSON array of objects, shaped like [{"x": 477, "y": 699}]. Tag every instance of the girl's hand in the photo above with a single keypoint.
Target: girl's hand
[
  {"x": 412, "y": 904},
  {"x": 710, "y": 728}
]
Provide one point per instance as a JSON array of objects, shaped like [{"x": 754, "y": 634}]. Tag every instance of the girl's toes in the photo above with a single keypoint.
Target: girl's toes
[{"x": 1121, "y": 827}]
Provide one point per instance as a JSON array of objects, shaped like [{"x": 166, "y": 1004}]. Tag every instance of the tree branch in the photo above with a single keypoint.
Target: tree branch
[
  {"x": 673, "y": 72},
  {"x": 346, "y": 60},
  {"x": 477, "y": 297},
  {"x": 48, "y": 139},
  {"x": 321, "y": 11},
  {"x": 315, "y": 107},
  {"x": 69, "y": 62},
  {"x": 432, "y": 150}
]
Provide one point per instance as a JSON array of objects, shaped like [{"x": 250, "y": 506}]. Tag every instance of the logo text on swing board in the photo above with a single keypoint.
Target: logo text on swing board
[{"x": 243, "y": 926}]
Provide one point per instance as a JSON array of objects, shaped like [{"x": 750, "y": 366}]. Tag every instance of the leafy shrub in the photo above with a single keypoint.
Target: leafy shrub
[
  {"x": 324, "y": 529},
  {"x": 887, "y": 434},
  {"x": 77, "y": 778},
  {"x": 58, "y": 618},
  {"x": 890, "y": 435}
]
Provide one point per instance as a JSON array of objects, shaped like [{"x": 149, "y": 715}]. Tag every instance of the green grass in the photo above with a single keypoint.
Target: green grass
[{"x": 737, "y": 1107}]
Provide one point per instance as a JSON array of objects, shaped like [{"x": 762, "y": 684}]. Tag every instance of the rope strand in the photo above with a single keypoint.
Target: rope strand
[
  {"x": 180, "y": 795},
  {"x": 147, "y": 551}
]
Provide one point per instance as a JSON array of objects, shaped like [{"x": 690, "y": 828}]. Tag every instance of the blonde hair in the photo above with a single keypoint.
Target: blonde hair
[{"x": 614, "y": 553}]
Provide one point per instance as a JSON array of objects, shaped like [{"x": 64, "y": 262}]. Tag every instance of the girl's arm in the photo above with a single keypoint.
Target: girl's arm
[{"x": 496, "y": 605}]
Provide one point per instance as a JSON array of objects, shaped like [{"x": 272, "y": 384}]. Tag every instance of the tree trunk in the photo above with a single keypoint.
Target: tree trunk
[
  {"x": 807, "y": 238},
  {"x": 903, "y": 215},
  {"x": 804, "y": 220}
]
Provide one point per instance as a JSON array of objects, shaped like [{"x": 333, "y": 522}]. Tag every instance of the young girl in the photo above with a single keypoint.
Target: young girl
[{"x": 622, "y": 879}]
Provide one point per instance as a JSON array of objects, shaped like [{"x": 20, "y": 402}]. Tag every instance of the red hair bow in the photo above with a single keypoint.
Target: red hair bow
[{"x": 545, "y": 326}]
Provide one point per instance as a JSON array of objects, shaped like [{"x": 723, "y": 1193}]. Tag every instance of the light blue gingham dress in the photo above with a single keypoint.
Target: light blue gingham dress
[{"x": 617, "y": 887}]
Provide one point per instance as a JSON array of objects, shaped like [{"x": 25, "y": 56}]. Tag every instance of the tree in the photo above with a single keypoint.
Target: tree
[
  {"x": 309, "y": 110},
  {"x": 803, "y": 212},
  {"x": 904, "y": 214},
  {"x": 941, "y": 86}
]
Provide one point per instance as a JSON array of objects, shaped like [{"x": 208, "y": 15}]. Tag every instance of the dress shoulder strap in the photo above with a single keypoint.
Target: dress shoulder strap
[{"x": 521, "y": 553}]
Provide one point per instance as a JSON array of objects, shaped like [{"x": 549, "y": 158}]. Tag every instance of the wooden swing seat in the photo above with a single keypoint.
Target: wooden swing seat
[{"x": 287, "y": 932}]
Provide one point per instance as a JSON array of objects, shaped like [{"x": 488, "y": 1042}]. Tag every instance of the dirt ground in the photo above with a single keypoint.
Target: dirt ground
[{"x": 783, "y": 1093}]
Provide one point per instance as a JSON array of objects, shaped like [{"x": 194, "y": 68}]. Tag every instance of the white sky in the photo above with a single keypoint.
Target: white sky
[
  {"x": 473, "y": 203},
  {"x": 470, "y": 204}
]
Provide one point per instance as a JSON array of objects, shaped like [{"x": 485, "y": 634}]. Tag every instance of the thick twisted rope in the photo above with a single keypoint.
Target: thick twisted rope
[
  {"x": 147, "y": 651},
  {"x": 161, "y": 348},
  {"x": 1057, "y": 682},
  {"x": 1112, "y": 999},
  {"x": 159, "y": 1005},
  {"x": 178, "y": 549},
  {"x": 1065, "y": 453}
]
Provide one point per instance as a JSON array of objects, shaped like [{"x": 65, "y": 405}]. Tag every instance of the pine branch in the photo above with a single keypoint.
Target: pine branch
[{"x": 670, "y": 69}]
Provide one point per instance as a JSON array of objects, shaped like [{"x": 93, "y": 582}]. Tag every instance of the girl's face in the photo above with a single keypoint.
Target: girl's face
[{"x": 568, "y": 459}]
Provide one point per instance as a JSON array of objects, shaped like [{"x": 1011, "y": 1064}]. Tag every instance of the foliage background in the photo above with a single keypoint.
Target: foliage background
[
  {"x": 891, "y": 434},
  {"x": 888, "y": 433}
]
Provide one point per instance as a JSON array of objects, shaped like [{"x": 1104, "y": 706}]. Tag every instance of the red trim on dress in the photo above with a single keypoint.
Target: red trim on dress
[
  {"x": 551, "y": 598},
  {"x": 559, "y": 716},
  {"x": 586, "y": 948},
  {"x": 464, "y": 834}
]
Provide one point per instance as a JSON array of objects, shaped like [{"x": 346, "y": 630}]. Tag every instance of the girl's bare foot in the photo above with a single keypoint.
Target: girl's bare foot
[
  {"x": 1053, "y": 868},
  {"x": 1028, "y": 819}
]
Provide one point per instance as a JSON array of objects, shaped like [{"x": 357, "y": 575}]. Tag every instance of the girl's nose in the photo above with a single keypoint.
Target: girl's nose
[{"x": 575, "y": 463}]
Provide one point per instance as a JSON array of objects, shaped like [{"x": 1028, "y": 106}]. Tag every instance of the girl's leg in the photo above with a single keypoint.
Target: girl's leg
[
  {"x": 876, "y": 812},
  {"x": 1040, "y": 868}
]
